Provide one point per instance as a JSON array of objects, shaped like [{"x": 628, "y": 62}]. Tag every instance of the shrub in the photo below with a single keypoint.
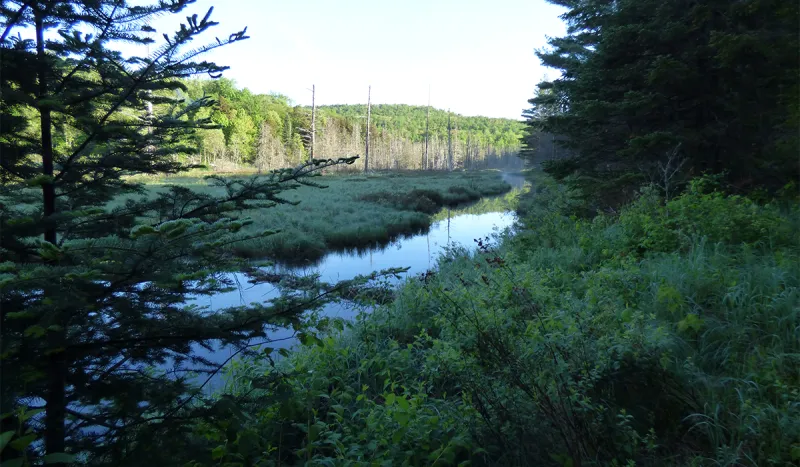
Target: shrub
[
  {"x": 657, "y": 227},
  {"x": 666, "y": 335}
]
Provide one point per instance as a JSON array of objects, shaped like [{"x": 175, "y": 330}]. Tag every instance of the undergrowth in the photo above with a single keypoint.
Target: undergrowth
[{"x": 666, "y": 335}]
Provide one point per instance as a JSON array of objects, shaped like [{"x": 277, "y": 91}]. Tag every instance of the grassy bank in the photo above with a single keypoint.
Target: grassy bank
[
  {"x": 354, "y": 211},
  {"x": 665, "y": 335}
]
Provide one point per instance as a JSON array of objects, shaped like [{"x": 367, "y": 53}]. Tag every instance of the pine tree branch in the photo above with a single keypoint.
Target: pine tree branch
[
  {"x": 98, "y": 40},
  {"x": 138, "y": 81},
  {"x": 144, "y": 342},
  {"x": 211, "y": 376},
  {"x": 170, "y": 415},
  {"x": 13, "y": 21}
]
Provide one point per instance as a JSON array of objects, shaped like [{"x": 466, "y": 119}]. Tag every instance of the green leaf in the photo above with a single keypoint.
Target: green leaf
[
  {"x": 59, "y": 457},
  {"x": 401, "y": 418},
  {"x": 390, "y": 398},
  {"x": 402, "y": 402},
  {"x": 21, "y": 443},
  {"x": 313, "y": 432},
  {"x": 247, "y": 442},
  {"x": 218, "y": 452},
  {"x": 34, "y": 331},
  {"x": 303, "y": 338},
  {"x": 627, "y": 315},
  {"x": 5, "y": 438},
  {"x": 39, "y": 180},
  {"x": 13, "y": 462},
  {"x": 397, "y": 436},
  {"x": 692, "y": 321},
  {"x": 30, "y": 414}
]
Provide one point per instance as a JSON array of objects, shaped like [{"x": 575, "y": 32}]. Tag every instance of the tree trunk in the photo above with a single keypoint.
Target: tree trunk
[
  {"x": 55, "y": 407},
  {"x": 369, "y": 113},
  {"x": 313, "y": 119},
  {"x": 427, "y": 126},
  {"x": 449, "y": 142},
  {"x": 468, "y": 155}
]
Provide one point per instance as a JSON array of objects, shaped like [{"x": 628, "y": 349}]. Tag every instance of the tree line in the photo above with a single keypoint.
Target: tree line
[{"x": 267, "y": 131}]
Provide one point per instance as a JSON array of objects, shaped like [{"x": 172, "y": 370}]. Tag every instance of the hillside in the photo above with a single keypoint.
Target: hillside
[{"x": 268, "y": 131}]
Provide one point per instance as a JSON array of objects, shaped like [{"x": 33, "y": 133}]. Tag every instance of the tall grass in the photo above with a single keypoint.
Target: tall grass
[{"x": 353, "y": 211}]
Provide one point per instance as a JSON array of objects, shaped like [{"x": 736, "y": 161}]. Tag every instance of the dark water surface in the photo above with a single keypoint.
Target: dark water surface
[{"x": 419, "y": 253}]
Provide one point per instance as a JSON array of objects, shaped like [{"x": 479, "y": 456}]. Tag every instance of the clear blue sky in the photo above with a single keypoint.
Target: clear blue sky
[{"x": 476, "y": 55}]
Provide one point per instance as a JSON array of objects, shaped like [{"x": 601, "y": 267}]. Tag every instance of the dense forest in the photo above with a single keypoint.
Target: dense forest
[
  {"x": 659, "y": 92},
  {"x": 643, "y": 310},
  {"x": 269, "y": 132}
]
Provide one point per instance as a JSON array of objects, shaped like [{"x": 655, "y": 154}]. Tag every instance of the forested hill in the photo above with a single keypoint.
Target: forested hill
[
  {"x": 409, "y": 122},
  {"x": 269, "y": 131}
]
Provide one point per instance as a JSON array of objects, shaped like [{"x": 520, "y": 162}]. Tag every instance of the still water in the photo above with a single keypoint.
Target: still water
[{"x": 419, "y": 253}]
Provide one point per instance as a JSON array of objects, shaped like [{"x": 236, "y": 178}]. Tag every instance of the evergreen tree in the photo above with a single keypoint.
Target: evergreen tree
[
  {"x": 649, "y": 86},
  {"x": 537, "y": 145},
  {"x": 93, "y": 291}
]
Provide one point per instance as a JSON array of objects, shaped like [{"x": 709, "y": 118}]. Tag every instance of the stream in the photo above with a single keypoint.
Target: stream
[{"x": 418, "y": 253}]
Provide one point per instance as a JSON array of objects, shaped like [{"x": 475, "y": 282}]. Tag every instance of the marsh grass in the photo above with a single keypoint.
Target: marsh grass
[{"x": 352, "y": 212}]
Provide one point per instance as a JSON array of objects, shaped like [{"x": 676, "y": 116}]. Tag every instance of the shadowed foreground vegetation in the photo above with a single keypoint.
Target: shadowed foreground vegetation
[
  {"x": 354, "y": 211},
  {"x": 666, "y": 335},
  {"x": 619, "y": 325}
]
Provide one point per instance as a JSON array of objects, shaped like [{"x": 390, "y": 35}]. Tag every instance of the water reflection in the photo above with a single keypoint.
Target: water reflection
[{"x": 418, "y": 253}]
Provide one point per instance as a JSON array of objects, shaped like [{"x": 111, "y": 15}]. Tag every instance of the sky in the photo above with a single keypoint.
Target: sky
[{"x": 476, "y": 56}]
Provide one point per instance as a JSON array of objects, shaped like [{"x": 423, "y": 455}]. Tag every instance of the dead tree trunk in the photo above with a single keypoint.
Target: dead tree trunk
[
  {"x": 369, "y": 113},
  {"x": 427, "y": 128},
  {"x": 449, "y": 142},
  {"x": 313, "y": 119}
]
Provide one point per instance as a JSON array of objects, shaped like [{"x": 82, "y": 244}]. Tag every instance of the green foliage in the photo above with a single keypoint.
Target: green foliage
[
  {"x": 397, "y": 131},
  {"x": 571, "y": 342},
  {"x": 16, "y": 445},
  {"x": 409, "y": 122},
  {"x": 661, "y": 91},
  {"x": 676, "y": 225}
]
